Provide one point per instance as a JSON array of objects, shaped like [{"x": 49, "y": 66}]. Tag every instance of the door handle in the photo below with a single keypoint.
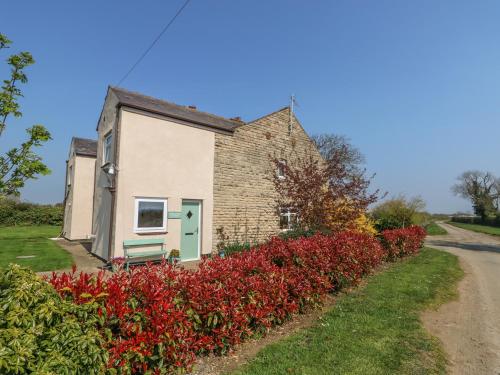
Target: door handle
[{"x": 189, "y": 234}]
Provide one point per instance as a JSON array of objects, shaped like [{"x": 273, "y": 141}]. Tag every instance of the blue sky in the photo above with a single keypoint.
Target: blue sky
[{"x": 414, "y": 84}]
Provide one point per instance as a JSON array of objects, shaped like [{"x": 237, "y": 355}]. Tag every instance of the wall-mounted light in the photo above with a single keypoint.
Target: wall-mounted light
[{"x": 109, "y": 169}]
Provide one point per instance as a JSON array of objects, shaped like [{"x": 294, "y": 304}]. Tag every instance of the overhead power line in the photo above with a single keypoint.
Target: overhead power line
[{"x": 154, "y": 42}]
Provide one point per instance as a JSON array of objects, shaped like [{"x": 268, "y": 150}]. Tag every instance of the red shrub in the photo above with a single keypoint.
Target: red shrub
[
  {"x": 404, "y": 241},
  {"x": 161, "y": 316},
  {"x": 80, "y": 286}
]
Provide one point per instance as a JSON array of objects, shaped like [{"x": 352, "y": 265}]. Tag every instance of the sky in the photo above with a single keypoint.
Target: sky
[{"x": 415, "y": 85}]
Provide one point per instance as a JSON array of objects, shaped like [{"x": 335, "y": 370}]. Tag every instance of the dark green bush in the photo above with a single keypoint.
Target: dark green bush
[
  {"x": 388, "y": 223},
  {"x": 40, "y": 333},
  {"x": 299, "y": 232},
  {"x": 16, "y": 213},
  {"x": 466, "y": 219},
  {"x": 228, "y": 247},
  {"x": 236, "y": 247},
  {"x": 224, "y": 245}
]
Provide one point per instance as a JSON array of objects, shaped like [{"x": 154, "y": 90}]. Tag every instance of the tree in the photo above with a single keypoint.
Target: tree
[
  {"x": 398, "y": 212},
  {"x": 302, "y": 188},
  {"x": 482, "y": 189},
  {"x": 332, "y": 146},
  {"x": 18, "y": 164},
  {"x": 328, "y": 191}
]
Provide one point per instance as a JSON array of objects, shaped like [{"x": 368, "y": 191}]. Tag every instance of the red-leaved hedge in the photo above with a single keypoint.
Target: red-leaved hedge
[
  {"x": 159, "y": 317},
  {"x": 404, "y": 241}
]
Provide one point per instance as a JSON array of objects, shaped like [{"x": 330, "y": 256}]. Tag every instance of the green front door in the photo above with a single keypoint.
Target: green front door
[{"x": 190, "y": 230}]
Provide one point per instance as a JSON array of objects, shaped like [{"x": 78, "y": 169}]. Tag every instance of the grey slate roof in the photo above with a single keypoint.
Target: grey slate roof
[
  {"x": 162, "y": 107},
  {"x": 84, "y": 146}
]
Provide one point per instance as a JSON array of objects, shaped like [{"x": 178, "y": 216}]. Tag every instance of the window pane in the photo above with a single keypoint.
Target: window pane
[
  {"x": 283, "y": 222},
  {"x": 283, "y": 219},
  {"x": 281, "y": 168},
  {"x": 70, "y": 175},
  {"x": 107, "y": 148},
  {"x": 288, "y": 218},
  {"x": 150, "y": 215}
]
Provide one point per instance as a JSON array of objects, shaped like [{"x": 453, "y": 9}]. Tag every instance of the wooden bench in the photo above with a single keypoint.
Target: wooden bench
[{"x": 130, "y": 244}]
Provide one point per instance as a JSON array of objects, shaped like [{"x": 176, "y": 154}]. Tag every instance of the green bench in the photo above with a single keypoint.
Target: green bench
[{"x": 130, "y": 244}]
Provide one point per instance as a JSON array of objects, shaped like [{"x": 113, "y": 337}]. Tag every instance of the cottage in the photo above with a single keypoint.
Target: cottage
[
  {"x": 175, "y": 174},
  {"x": 79, "y": 189}
]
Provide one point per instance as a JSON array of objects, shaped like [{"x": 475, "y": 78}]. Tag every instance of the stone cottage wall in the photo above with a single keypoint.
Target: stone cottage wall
[{"x": 244, "y": 194}]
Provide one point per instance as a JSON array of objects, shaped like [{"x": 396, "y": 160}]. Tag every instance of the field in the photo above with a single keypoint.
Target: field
[{"x": 29, "y": 241}]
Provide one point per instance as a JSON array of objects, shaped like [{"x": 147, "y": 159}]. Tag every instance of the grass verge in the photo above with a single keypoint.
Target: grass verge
[
  {"x": 33, "y": 240},
  {"x": 478, "y": 228},
  {"x": 434, "y": 229},
  {"x": 373, "y": 330}
]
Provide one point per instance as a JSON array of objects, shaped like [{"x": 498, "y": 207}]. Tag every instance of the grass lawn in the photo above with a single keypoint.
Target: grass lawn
[
  {"x": 434, "y": 229},
  {"x": 374, "y": 329},
  {"x": 33, "y": 240},
  {"x": 478, "y": 228}
]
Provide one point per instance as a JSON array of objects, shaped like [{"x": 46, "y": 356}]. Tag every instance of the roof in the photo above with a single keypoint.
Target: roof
[
  {"x": 84, "y": 146},
  {"x": 157, "y": 106}
]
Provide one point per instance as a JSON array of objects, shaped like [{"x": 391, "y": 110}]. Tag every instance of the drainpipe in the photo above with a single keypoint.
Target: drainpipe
[
  {"x": 111, "y": 253},
  {"x": 112, "y": 189},
  {"x": 65, "y": 201},
  {"x": 92, "y": 229}
]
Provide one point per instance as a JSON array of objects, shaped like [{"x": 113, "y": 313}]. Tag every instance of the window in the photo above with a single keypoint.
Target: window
[
  {"x": 281, "y": 168},
  {"x": 108, "y": 141},
  {"x": 150, "y": 215},
  {"x": 70, "y": 172},
  {"x": 288, "y": 218}
]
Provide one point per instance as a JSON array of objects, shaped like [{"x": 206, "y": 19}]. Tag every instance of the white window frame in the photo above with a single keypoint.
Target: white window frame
[
  {"x": 106, "y": 152},
  {"x": 162, "y": 229},
  {"x": 280, "y": 175},
  {"x": 289, "y": 213}
]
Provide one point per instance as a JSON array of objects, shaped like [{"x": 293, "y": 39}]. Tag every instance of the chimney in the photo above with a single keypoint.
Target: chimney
[{"x": 237, "y": 118}]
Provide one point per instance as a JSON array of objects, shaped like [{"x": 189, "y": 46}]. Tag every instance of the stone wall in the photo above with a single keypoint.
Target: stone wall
[{"x": 244, "y": 194}]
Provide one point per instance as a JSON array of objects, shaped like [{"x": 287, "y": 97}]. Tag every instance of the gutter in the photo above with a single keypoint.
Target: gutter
[{"x": 184, "y": 121}]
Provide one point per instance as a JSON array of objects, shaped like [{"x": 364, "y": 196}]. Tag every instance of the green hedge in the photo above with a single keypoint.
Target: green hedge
[
  {"x": 40, "y": 333},
  {"x": 16, "y": 213},
  {"x": 489, "y": 221}
]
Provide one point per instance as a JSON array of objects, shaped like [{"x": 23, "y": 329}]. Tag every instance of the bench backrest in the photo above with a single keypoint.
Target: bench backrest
[
  {"x": 128, "y": 245},
  {"x": 149, "y": 241}
]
